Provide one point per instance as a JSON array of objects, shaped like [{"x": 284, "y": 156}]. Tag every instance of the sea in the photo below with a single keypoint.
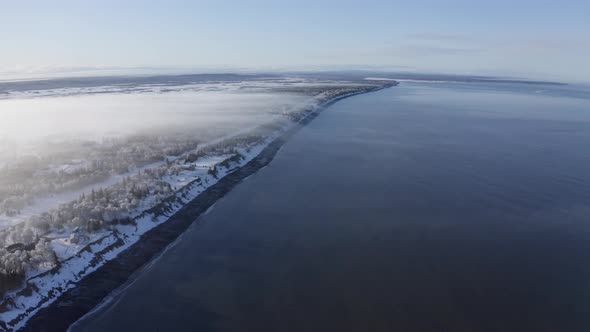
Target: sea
[{"x": 430, "y": 206}]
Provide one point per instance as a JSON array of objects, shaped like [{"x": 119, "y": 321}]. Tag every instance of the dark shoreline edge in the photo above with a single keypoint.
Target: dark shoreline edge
[{"x": 74, "y": 303}]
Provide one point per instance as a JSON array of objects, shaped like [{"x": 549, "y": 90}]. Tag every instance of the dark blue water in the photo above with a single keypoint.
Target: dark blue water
[{"x": 425, "y": 207}]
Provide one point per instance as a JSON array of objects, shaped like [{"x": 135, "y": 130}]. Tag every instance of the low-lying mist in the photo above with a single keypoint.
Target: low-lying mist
[
  {"x": 53, "y": 144},
  {"x": 31, "y": 125}
]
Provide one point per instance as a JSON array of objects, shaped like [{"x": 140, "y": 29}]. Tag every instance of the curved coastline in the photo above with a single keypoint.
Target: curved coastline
[{"x": 95, "y": 288}]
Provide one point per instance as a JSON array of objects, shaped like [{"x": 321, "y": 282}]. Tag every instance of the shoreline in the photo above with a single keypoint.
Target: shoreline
[{"x": 96, "y": 287}]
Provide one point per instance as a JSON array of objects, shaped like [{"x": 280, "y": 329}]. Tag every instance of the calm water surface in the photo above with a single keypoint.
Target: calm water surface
[{"x": 425, "y": 207}]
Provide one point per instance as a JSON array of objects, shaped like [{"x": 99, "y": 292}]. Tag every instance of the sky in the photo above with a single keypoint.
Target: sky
[{"x": 526, "y": 39}]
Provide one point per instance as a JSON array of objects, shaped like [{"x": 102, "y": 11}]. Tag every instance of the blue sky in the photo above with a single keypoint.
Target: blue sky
[{"x": 537, "y": 39}]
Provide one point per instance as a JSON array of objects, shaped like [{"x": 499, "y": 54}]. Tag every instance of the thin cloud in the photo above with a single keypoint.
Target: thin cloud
[
  {"x": 415, "y": 50},
  {"x": 446, "y": 37}
]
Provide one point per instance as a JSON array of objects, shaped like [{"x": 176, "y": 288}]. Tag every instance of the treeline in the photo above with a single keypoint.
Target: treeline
[
  {"x": 30, "y": 177},
  {"x": 24, "y": 246}
]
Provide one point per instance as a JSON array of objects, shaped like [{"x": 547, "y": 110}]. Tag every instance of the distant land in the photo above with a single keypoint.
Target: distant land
[{"x": 96, "y": 81}]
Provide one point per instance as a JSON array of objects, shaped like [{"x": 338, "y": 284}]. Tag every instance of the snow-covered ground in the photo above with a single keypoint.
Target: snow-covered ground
[{"x": 46, "y": 203}]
